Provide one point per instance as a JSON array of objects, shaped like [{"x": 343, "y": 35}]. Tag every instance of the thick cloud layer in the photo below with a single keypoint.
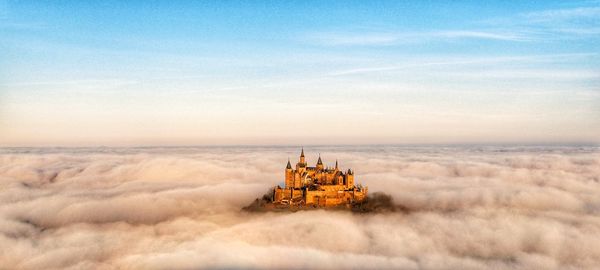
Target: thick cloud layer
[{"x": 179, "y": 208}]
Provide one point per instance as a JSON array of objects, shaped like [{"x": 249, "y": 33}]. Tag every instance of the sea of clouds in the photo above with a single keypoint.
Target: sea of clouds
[{"x": 179, "y": 208}]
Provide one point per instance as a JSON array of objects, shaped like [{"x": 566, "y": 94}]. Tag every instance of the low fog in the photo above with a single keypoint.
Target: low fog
[{"x": 179, "y": 208}]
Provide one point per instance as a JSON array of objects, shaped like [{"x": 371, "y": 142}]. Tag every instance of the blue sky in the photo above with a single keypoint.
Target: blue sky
[{"x": 298, "y": 72}]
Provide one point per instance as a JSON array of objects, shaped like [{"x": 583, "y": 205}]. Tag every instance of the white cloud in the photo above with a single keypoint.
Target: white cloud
[
  {"x": 563, "y": 14},
  {"x": 531, "y": 26},
  {"x": 481, "y": 35},
  {"x": 471, "y": 61},
  {"x": 335, "y": 39},
  {"x": 178, "y": 208},
  {"x": 395, "y": 38}
]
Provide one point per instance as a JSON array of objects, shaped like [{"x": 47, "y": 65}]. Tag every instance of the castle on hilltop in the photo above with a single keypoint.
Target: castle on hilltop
[{"x": 318, "y": 186}]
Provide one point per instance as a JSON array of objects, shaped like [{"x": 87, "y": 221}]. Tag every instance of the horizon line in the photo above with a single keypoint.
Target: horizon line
[{"x": 527, "y": 144}]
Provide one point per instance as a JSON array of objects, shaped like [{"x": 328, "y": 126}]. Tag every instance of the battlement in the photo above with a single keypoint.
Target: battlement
[{"x": 318, "y": 186}]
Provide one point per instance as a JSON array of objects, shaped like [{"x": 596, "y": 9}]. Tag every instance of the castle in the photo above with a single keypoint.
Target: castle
[{"x": 318, "y": 186}]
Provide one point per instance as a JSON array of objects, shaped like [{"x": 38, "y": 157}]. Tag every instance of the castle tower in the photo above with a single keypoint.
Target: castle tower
[
  {"x": 301, "y": 165},
  {"x": 289, "y": 175},
  {"x": 349, "y": 179},
  {"x": 319, "y": 163},
  {"x": 302, "y": 160}
]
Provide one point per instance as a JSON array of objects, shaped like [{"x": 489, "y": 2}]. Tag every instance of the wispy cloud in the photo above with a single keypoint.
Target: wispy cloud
[
  {"x": 531, "y": 26},
  {"x": 334, "y": 39},
  {"x": 481, "y": 35},
  {"x": 531, "y": 73},
  {"x": 563, "y": 14},
  {"x": 87, "y": 84},
  {"x": 553, "y": 24},
  {"x": 392, "y": 38},
  {"x": 580, "y": 31},
  {"x": 465, "y": 61}
]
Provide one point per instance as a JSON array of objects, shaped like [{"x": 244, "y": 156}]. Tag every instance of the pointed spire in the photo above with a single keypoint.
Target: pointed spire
[
  {"x": 320, "y": 162},
  {"x": 289, "y": 165},
  {"x": 302, "y": 159},
  {"x": 336, "y": 164}
]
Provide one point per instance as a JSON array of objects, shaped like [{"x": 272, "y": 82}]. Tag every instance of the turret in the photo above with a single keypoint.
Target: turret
[
  {"x": 336, "y": 165},
  {"x": 302, "y": 160},
  {"x": 349, "y": 179},
  {"x": 301, "y": 165},
  {"x": 289, "y": 175},
  {"x": 319, "y": 163}
]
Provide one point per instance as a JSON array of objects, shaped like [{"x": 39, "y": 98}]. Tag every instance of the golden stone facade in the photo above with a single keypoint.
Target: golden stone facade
[{"x": 318, "y": 186}]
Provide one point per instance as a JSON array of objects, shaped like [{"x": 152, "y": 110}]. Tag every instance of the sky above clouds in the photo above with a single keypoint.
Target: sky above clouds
[{"x": 299, "y": 72}]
